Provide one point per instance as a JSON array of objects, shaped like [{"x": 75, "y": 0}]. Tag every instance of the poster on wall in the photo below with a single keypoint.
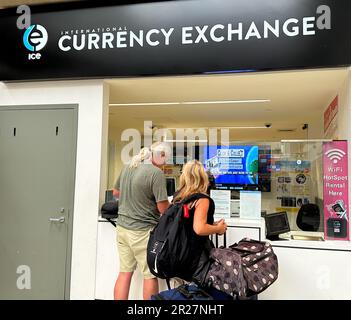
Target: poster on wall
[
  {"x": 335, "y": 190},
  {"x": 292, "y": 184}
]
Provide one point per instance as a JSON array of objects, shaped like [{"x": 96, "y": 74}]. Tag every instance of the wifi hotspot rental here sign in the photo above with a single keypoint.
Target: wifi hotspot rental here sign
[{"x": 335, "y": 190}]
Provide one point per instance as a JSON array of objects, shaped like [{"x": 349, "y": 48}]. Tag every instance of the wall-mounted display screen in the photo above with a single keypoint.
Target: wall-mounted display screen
[{"x": 233, "y": 167}]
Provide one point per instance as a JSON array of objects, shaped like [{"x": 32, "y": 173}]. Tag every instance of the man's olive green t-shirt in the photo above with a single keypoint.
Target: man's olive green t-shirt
[{"x": 140, "y": 190}]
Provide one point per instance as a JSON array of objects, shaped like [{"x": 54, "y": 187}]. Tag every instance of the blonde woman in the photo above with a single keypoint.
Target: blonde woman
[
  {"x": 194, "y": 183},
  {"x": 194, "y": 180},
  {"x": 142, "y": 193}
]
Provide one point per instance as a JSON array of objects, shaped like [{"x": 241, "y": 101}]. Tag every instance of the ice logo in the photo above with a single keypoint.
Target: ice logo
[
  {"x": 335, "y": 155},
  {"x": 35, "y": 38}
]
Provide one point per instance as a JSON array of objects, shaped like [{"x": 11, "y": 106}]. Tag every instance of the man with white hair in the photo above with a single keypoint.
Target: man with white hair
[{"x": 142, "y": 192}]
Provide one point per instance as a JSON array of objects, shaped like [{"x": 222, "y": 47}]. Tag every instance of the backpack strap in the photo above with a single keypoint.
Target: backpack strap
[
  {"x": 168, "y": 283},
  {"x": 195, "y": 196}
]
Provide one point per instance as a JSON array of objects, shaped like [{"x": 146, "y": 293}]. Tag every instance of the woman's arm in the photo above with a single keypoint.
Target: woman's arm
[{"x": 201, "y": 227}]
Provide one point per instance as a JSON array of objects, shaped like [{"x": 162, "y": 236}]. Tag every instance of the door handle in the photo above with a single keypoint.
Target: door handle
[{"x": 60, "y": 219}]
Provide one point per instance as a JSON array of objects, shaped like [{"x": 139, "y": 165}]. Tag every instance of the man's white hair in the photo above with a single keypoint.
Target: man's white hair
[{"x": 146, "y": 153}]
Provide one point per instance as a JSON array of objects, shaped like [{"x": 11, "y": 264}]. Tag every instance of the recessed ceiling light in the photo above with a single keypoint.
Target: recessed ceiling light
[
  {"x": 189, "y": 102},
  {"x": 144, "y": 104},
  {"x": 306, "y": 141},
  {"x": 227, "y": 101},
  {"x": 245, "y": 127},
  {"x": 185, "y": 140},
  {"x": 218, "y": 128}
]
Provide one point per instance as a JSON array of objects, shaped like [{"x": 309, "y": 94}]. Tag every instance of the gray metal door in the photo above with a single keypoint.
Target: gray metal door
[{"x": 37, "y": 168}]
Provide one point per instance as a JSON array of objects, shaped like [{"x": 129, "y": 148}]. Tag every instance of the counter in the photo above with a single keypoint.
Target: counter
[
  {"x": 311, "y": 270},
  {"x": 307, "y": 269},
  {"x": 108, "y": 261},
  {"x": 318, "y": 245}
]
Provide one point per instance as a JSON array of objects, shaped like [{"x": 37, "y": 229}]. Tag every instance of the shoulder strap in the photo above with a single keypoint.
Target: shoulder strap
[{"x": 195, "y": 196}]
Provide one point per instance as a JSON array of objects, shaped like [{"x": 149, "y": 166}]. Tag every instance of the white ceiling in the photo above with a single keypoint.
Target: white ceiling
[{"x": 297, "y": 97}]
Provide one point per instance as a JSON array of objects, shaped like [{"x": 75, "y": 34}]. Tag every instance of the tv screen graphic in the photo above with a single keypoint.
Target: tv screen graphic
[{"x": 233, "y": 165}]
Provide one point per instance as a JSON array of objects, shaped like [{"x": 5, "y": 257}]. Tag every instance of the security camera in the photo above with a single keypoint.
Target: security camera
[{"x": 268, "y": 125}]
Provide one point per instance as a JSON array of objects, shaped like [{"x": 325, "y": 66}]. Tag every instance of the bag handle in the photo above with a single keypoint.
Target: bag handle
[
  {"x": 248, "y": 251},
  {"x": 243, "y": 253},
  {"x": 251, "y": 241},
  {"x": 191, "y": 294}
]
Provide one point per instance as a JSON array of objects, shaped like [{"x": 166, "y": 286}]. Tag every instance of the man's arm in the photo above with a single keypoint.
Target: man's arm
[
  {"x": 162, "y": 206},
  {"x": 159, "y": 190},
  {"x": 115, "y": 193},
  {"x": 117, "y": 187}
]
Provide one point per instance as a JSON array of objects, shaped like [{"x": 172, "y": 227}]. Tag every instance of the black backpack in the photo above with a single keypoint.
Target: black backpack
[
  {"x": 170, "y": 250},
  {"x": 109, "y": 209}
]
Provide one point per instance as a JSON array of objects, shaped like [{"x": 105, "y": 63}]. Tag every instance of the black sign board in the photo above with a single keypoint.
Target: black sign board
[{"x": 176, "y": 37}]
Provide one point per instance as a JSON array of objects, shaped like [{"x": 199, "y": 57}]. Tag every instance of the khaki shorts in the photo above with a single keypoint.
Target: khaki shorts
[{"x": 131, "y": 245}]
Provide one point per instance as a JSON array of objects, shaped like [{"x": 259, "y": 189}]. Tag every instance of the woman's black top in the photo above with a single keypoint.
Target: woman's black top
[{"x": 198, "y": 243}]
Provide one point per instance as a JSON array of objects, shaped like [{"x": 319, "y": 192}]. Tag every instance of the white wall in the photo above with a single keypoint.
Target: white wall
[
  {"x": 310, "y": 274},
  {"x": 90, "y": 180},
  {"x": 115, "y": 147}
]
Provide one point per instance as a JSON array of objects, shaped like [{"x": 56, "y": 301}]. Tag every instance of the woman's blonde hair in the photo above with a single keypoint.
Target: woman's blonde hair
[
  {"x": 145, "y": 154},
  {"x": 193, "y": 179}
]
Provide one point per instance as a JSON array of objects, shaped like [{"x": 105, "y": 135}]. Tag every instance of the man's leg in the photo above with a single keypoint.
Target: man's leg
[
  {"x": 150, "y": 288},
  {"x": 122, "y": 285},
  {"x": 127, "y": 264}
]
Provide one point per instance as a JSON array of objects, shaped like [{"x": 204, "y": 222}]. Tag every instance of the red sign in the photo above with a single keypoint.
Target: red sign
[
  {"x": 335, "y": 190},
  {"x": 330, "y": 113}
]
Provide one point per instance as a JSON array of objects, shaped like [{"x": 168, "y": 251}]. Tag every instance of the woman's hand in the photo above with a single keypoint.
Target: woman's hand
[
  {"x": 221, "y": 226},
  {"x": 216, "y": 222}
]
